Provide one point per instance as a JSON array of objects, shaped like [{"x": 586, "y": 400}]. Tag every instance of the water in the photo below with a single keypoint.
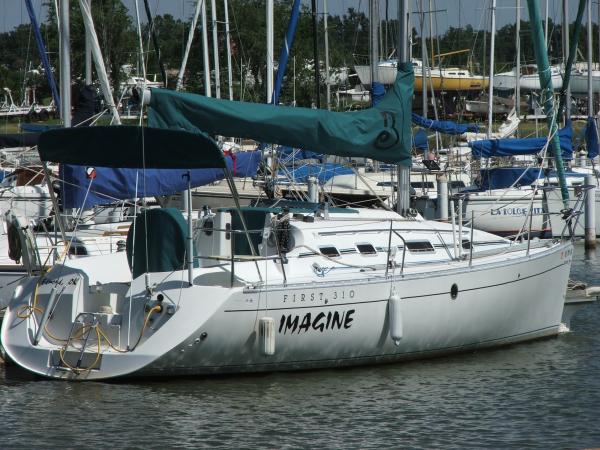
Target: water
[{"x": 543, "y": 394}]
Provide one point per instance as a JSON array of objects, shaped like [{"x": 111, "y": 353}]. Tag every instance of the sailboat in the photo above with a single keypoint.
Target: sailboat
[{"x": 277, "y": 287}]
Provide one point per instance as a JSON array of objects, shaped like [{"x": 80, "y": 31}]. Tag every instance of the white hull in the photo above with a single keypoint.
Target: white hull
[
  {"x": 322, "y": 317},
  {"x": 529, "y": 82},
  {"x": 507, "y": 213},
  {"x": 579, "y": 82}
]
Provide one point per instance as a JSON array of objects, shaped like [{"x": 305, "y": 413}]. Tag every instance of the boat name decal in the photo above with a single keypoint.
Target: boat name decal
[
  {"x": 60, "y": 281},
  {"x": 322, "y": 321},
  {"x": 515, "y": 211},
  {"x": 319, "y": 296}
]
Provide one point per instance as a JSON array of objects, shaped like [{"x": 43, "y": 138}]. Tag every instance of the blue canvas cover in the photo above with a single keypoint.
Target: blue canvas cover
[
  {"x": 591, "y": 137},
  {"x": 287, "y": 154},
  {"x": 525, "y": 146},
  {"x": 322, "y": 172},
  {"x": 444, "y": 126},
  {"x": 111, "y": 185},
  {"x": 377, "y": 92},
  {"x": 420, "y": 140},
  {"x": 504, "y": 177}
]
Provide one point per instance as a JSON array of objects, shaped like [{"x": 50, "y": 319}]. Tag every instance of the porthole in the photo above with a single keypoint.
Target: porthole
[{"x": 454, "y": 291}]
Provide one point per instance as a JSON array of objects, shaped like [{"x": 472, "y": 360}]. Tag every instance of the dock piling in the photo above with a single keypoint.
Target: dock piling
[{"x": 590, "y": 213}]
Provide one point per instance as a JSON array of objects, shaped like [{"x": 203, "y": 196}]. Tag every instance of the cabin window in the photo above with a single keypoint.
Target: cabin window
[
  {"x": 466, "y": 244},
  {"x": 461, "y": 73},
  {"x": 420, "y": 247},
  {"x": 366, "y": 249},
  {"x": 345, "y": 251},
  {"x": 421, "y": 184},
  {"x": 457, "y": 184},
  {"x": 329, "y": 251},
  {"x": 451, "y": 73}
]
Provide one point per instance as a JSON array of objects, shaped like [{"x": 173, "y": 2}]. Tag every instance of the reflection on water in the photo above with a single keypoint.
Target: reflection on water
[{"x": 543, "y": 394}]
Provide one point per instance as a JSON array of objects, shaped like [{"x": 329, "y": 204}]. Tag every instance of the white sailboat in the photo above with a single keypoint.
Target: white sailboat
[{"x": 278, "y": 289}]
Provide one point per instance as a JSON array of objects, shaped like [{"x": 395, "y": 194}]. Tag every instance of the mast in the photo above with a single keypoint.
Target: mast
[
  {"x": 547, "y": 93},
  {"x": 403, "y": 172},
  {"x": 269, "y": 51},
  {"x": 285, "y": 50},
  {"x": 423, "y": 59},
  {"x": 140, "y": 42},
  {"x": 65, "y": 64},
  {"x": 327, "y": 81},
  {"x": 88, "y": 51},
  {"x": 228, "y": 37},
  {"x": 565, "y": 42},
  {"x": 316, "y": 53},
  {"x": 188, "y": 46},
  {"x": 91, "y": 36},
  {"x": 491, "y": 82},
  {"x": 161, "y": 66},
  {"x": 43, "y": 55},
  {"x": 374, "y": 45},
  {"x": 518, "y": 68},
  {"x": 565, "y": 99},
  {"x": 206, "y": 61},
  {"x": 589, "y": 60},
  {"x": 213, "y": 15}
]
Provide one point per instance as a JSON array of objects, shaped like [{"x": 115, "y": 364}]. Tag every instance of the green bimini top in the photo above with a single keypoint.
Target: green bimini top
[
  {"x": 382, "y": 132},
  {"x": 130, "y": 147}
]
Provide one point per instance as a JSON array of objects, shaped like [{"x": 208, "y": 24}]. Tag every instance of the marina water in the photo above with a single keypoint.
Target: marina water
[{"x": 542, "y": 394}]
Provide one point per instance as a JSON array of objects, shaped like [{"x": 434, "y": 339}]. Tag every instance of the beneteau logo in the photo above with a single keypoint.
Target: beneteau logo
[
  {"x": 321, "y": 322},
  {"x": 389, "y": 137}
]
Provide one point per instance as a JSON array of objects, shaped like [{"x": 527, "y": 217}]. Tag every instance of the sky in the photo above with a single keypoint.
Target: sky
[{"x": 450, "y": 12}]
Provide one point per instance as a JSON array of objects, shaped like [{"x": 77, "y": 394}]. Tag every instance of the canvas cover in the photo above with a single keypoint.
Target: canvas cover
[
  {"x": 160, "y": 238},
  {"x": 524, "y": 146},
  {"x": 444, "y": 126},
  {"x": 382, "y": 132},
  {"x": 130, "y": 147},
  {"x": 109, "y": 185}
]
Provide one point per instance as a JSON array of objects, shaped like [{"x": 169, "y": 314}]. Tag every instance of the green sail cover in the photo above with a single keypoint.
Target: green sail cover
[{"x": 382, "y": 133}]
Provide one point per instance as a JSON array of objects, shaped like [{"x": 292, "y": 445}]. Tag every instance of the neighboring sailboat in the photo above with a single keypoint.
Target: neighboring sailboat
[{"x": 442, "y": 79}]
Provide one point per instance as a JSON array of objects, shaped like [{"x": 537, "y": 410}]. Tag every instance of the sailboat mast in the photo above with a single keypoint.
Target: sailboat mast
[
  {"x": 374, "y": 45},
  {"x": 491, "y": 82},
  {"x": 141, "y": 62},
  {"x": 213, "y": 15},
  {"x": 206, "y": 61},
  {"x": 403, "y": 172},
  {"x": 565, "y": 41},
  {"x": 88, "y": 51},
  {"x": 589, "y": 60},
  {"x": 269, "y": 51},
  {"x": 188, "y": 46},
  {"x": 316, "y": 53},
  {"x": 547, "y": 94},
  {"x": 65, "y": 63},
  {"x": 423, "y": 59},
  {"x": 326, "y": 32},
  {"x": 518, "y": 68},
  {"x": 228, "y": 37}
]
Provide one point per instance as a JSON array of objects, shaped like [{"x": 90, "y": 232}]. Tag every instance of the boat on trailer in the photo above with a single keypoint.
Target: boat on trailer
[{"x": 277, "y": 287}]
